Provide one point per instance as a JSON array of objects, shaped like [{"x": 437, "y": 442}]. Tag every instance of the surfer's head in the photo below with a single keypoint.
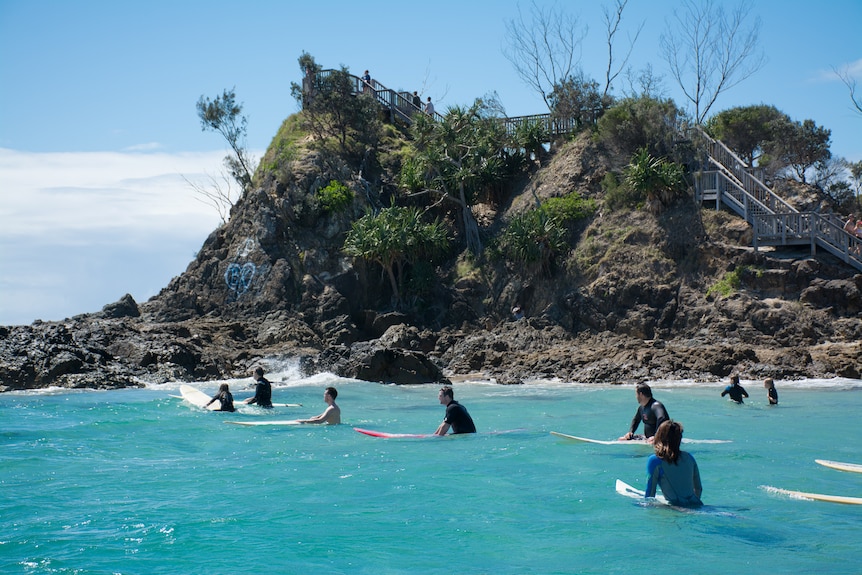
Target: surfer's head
[
  {"x": 258, "y": 372},
  {"x": 668, "y": 438},
  {"x": 446, "y": 395}
]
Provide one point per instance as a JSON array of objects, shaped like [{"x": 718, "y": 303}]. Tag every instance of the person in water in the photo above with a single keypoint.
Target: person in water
[
  {"x": 224, "y": 397},
  {"x": 734, "y": 390},
  {"x": 674, "y": 471},
  {"x": 262, "y": 390},
  {"x": 771, "y": 392},
  {"x": 332, "y": 413},
  {"x": 456, "y": 415},
  {"x": 650, "y": 411}
]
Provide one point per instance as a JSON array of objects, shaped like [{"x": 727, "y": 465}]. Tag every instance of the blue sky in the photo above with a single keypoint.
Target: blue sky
[{"x": 98, "y": 130}]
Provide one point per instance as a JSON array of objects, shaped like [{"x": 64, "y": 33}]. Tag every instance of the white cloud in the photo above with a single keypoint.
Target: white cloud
[{"x": 78, "y": 230}]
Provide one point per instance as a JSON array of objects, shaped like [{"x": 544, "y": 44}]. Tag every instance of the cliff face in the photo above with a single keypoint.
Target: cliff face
[{"x": 631, "y": 301}]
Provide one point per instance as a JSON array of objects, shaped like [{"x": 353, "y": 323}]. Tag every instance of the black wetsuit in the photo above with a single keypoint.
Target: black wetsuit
[
  {"x": 736, "y": 392},
  {"x": 458, "y": 418},
  {"x": 773, "y": 396},
  {"x": 652, "y": 414},
  {"x": 225, "y": 398},
  {"x": 262, "y": 393}
]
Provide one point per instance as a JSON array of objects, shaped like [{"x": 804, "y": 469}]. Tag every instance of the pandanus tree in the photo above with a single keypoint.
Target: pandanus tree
[
  {"x": 456, "y": 159},
  {"x": 395, "y": 237}
]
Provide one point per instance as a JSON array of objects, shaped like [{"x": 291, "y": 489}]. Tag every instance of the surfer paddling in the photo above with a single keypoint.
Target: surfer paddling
[
  {"x": 456, "y": 415},
  {"x": 650, "y": 411},
  {"x": 332, "y": 414}
]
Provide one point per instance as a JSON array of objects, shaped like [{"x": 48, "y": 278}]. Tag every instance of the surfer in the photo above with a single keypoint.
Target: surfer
[
  {"x": 332, "y": 413},
  {"x": 456, "y": 415},
  {"x": 734, "y": 390},
  {"x": 673, "y": 470},
  {"x": 650, "y": 411},
  {"x": 262, "y": 390},
  {"x": 225, "y": 397},
  {"x": 771, "y": 392}
]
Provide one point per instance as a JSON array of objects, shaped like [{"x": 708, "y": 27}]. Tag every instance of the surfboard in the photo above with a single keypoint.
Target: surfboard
[
  {"x": 265, "y": 423},
  {"x": 641, "y": 442},
  {"x": 629, "y": 441},
  {"x": 287, "y": 405},
  {"x": 627, "y": 490},
  {"x": 198, "y": 398},
  {"x": 373, "y": 433},
  {"x": 816, "y": 496},
  {"x": 852, "y": 467}
]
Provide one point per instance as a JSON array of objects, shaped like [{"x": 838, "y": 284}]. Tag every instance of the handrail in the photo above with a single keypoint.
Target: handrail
[{"x": 773, "y": 220}]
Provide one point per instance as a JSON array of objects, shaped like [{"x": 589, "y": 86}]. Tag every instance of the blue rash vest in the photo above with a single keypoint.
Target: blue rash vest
[{"x": 679, "y": 482}]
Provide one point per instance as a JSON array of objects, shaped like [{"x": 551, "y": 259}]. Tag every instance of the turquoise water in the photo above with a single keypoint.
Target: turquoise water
[{"x": 135, "y": 481}]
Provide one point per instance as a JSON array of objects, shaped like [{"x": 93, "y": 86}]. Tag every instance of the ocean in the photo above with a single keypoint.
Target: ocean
[{"x": 136, "y": 481}]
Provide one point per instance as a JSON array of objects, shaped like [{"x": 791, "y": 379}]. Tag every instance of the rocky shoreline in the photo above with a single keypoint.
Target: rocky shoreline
[{"x": 634, "y": 300}]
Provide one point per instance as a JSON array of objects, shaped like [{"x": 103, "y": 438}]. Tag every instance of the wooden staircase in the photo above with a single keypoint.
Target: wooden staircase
[{"x": 730, "y": 182}]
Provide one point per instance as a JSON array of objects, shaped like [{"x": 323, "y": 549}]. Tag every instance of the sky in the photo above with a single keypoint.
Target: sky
[{"x": 99, "y": 136}]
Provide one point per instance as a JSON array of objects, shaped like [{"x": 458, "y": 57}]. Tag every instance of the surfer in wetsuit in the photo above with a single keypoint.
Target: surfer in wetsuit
[
  {"x": 332, "y": 413},
  {"x": 456, "y": 415},
  {"x": 771, "y": 392},
  {"x": 225, "y": 398},
  {"x": 674, "y": 471},
  {"x": 262, "y": 390},
  {"x": 650, "y": 411},
  {"x": 734, "y": 390}
]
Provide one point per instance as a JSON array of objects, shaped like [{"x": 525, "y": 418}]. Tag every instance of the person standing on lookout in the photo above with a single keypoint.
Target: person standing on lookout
[
  {"x": 262, "y": 390},
  {"x": 650, "y": 411},
  {"x": 429, "y": 107},
  {"x": 456, "y": 415}
]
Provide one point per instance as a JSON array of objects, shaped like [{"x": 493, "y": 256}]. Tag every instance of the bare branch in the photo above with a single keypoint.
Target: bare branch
[
  {"x": 218, "y": 194},
  {"x": 546, "y": 49},
  {"x": 850, "y": 82},
  {"x": 710, "y": 51},
  {"x": 612, "y": 21}
]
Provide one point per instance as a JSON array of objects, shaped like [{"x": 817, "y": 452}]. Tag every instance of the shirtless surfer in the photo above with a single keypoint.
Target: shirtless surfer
[{"x": 332, "y": 414}]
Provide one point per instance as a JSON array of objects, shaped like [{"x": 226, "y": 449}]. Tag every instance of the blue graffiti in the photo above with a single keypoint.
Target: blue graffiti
[{"x": 238, "y": 277}]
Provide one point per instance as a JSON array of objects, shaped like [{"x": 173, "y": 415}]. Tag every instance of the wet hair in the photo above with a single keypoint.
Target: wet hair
[
  {"x": 333, "y": 393},
  {"x": 258, "y": 371},
  {"x": 223, "y": 387},
  {"x": 447, "y": 390},
  {"x": 768, "y": 382},
  {"x": 644, "y": 390},
  {"x": 668, "y": 438},
  {"x": 734, "y": 379}
]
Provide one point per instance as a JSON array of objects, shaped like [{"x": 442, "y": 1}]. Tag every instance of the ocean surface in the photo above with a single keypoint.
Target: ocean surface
[{"x": 139, "y": 482}]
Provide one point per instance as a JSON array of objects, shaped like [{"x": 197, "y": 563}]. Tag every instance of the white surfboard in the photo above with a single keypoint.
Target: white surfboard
[
  {"x": 627, "y": 490},
  {"x": 641, "y": 442},
  {"x": 198, "y": 398},
  {"x": 265, "y": 423},
  {"x": 816, "y": 496},
  {"x": 840, "y": 465}
]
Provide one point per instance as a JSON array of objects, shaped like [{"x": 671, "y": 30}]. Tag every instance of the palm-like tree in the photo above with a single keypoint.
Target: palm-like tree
[{"x": 394, "y": 237}]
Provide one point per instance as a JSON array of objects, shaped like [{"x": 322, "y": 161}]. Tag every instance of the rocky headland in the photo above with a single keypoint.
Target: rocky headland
[{"x": 632, "y": 300}]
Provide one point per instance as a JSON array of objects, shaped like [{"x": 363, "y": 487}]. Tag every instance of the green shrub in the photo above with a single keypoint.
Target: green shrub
[
  {"x": 335, "y": 197},
  {"x": 533, "y": 240},
  {"x": 569, "y": 208}
]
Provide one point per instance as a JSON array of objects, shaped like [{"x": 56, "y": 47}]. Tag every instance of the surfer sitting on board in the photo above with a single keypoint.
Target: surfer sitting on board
[
  {"x": 262, "y": 390},
  {"x": 332, "y": 413},
  {"x": 225, "y": 397},
  {"x": 456, "y": 415},
  {"x": 650, "y": 411},
  {"x": 673, "y": 470},
  {"x": 736, "y": 391}
]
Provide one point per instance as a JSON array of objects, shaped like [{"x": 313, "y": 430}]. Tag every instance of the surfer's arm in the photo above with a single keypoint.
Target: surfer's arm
[
  {"x": 653, "y": 467},
  {"x": 322, "y": 418},
  {"x": 443, "y": 429}
]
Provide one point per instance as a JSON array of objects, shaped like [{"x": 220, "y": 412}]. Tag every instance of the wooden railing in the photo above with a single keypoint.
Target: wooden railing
[
  {"x": 400, "y": 105},
  {"x": 774, "y": 221}
]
